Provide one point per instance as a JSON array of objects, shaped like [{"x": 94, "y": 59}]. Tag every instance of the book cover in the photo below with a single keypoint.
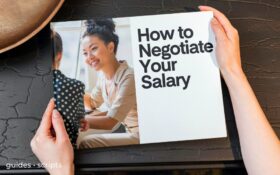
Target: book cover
[{"x": 138, "y": 80}]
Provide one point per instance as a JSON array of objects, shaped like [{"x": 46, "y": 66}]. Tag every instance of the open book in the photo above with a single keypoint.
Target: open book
[{"x": 136, "y": 80}]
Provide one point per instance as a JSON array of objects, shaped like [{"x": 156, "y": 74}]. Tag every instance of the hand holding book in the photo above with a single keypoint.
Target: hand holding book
[
  {"x": 53, "y": 149},
  {"x": 260, "y": 145},
  {"x": 227, "y": 38}
]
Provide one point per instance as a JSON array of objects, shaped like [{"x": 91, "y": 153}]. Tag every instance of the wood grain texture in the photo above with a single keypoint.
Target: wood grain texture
[{"x": 258, "y": 23}]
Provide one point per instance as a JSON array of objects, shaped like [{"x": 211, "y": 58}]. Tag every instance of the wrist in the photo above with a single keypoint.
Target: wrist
[
  {"x": 64, "y": 169},
  {"x": 232, "y": 72},
  {"x": 88, "y": 124},
  {"x": 70, "y": 170},
  {"x": 234, "y": 78}
]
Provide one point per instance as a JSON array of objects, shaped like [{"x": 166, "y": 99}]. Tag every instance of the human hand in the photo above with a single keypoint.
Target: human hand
[
  {"x": 227, "y": 42},
  {"x": 87, "y": 102},
  {"x": 53, "y": 148},
  {"x": 84, "y": 125}
]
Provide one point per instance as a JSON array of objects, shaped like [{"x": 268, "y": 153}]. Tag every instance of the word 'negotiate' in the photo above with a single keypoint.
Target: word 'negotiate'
[{"x": 167, "y": 50}]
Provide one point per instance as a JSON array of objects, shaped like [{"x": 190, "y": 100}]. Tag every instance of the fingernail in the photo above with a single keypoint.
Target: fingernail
[
  {"x": 51, "y": 102},
  {"x": 56, "y": 114}
]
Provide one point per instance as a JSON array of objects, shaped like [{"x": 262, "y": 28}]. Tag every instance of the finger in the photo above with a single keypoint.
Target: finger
[
  {"x": 220, "y": 17},
  {"x": 84, "y": 129},
  {"x": 58, "y": 126},
  {"x": 218, "y": 30},
  {"x": 82, "y": 122},
  {"x": 82, "y": 125},
  {"x": 46, "y": 121}
]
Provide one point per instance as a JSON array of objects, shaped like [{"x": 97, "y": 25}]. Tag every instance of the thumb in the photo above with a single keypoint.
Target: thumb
[
  {"x": 58, "y": 126},
  {"x": 220, "y": 34}
]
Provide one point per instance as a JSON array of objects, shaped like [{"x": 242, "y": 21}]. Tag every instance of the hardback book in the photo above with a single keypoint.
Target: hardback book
[{"x": 138, "y": 80}]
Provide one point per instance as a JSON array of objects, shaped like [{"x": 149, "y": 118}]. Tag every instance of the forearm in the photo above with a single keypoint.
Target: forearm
[
  {"x": 101, "y": 122},
  {"x": 259, "y": 144}
]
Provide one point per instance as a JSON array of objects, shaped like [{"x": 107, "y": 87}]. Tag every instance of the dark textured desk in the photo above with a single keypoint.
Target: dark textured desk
[{"x": 25, "y": 88}]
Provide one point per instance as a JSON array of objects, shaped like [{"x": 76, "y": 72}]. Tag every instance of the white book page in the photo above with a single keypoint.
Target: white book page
[{"x": 190, "y": 105}]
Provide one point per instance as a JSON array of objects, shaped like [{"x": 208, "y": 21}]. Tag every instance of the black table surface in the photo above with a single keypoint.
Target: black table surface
[{"x": 26, "y": 87}]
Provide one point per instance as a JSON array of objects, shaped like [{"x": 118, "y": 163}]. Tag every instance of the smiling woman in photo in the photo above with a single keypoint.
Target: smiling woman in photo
[{"x": 114, "y": 94}]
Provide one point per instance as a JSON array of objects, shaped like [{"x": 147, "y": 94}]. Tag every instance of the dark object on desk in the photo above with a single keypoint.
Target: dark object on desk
[
  {"x": 191, "y": 9},
  {"x": 88, "y": 112},
  {"x": 21, "y": 20}
]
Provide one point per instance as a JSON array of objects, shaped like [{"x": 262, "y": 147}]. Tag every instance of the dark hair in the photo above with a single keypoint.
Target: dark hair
[
  {"x": 104, "y": 28},
  {"x": 57, "y": 43}
]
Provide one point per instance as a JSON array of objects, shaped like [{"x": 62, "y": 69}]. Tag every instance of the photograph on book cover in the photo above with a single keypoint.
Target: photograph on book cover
[{"x": 137, "y": 80}]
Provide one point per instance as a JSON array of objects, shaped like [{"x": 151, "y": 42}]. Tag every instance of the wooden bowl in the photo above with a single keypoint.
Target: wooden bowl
[{"x": 22, "y": 19}]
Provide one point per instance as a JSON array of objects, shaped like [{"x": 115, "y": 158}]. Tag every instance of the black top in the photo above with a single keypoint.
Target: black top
[{"x": 69, "y": 101}]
